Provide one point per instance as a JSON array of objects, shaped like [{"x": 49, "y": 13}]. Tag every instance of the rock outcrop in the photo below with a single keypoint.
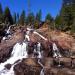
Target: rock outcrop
[{"x": 28, "y": 67}]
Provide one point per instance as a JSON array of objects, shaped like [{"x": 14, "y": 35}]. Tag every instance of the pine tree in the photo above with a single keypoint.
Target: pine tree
[
  {"x": 17, "y": 18},
  {"x": 22, "y": 18},
  {"x": 30, "y": 19},
  {"x": 58, "y": 24},
  {"x": 7, "y": 16},
  {"x": 1, "y": 14},
  {"x": 39, "y": 16},
  {"x": 36, "y": 24},
  {"x": 49, "y": 20},
  {"x": 38, "y": 19},
  {"x": 48, "y": 17},
  {"x": 73, "y": 27},
  {"x": 66, "y": 15},
  {"x": 14, "y": 18}
]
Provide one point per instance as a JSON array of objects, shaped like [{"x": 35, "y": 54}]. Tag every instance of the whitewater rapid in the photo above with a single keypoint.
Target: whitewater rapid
[
  {"x": 7, "y": 34},
  {"x": 42, "y": 70},
  {"x": 56, "y": 52},
  {"x": 19, "y": 52}
]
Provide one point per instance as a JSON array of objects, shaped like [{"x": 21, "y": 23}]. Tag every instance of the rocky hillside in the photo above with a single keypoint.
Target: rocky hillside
[{"x": 30, "y": 66}]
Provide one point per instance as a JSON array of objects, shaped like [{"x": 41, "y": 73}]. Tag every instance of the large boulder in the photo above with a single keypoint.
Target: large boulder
[{"x": 28, "y": 67}]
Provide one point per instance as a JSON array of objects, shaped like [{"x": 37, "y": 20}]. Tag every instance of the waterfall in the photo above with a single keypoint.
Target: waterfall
[
  {"x": 7, "y": 34},
  {"x": 38, "y": 50},
  {"x": 8, "y": 30},
  {"x": 27, "y": 34},
  {"x": 9, "y": 72},
  {"x": 42, "y": 71},
  {"x": 19, "y": 52},
  {"x": 56, "y": 52},
  {"x": 35, "y": 51}
]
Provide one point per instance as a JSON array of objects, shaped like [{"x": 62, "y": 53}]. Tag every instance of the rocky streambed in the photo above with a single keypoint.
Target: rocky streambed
[
  {"x": 50, "y": 64},
  {"x": 31, "y": 67}
]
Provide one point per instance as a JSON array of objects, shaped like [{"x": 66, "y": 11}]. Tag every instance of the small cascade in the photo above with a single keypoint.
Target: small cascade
[
  {"x": 42, "y": 71},
  {"x": 8, "y": 30},
  {"x": 27, "y": 34},
  {"x": 35, "y": 51},
  {"x": 8, "y": 33},
  {"x": 39, "y": 50},
  {"x": 9, "y": 72},
  {"x": 56, "y": 52},
  {"x": 19, "y": 52}
]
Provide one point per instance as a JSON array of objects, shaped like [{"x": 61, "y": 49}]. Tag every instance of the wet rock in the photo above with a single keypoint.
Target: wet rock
[
  {"x": 65, "y": 72},
  {"x": 28, "y": 67},
  {"x": 48, "y": 71},
  {"x": 47, "y": 62},
  {"x": 8, "y": 66},
  {"x": 5, "y": 53}
]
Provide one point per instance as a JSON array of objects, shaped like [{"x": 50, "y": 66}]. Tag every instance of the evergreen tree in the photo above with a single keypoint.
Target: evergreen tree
[
  {"x": 73, "y": 27},
  {"x": 22, "y": 18},
  {"x": 48, "y": 17},
  {"x": 30, "y": 19},
  {"x": 17, "y": 19},
  {"x": 66, "y": 16},
  {"x": 49, "y": 20},
  {"x": 1, "y": 14},
  {"x": 14, "y": 18},
  {"x": 7, "y": 16},
  {"x": 36, "y": 24},
  {"x": 39, "y": 16},
  {"x": 58, "y": 24}
]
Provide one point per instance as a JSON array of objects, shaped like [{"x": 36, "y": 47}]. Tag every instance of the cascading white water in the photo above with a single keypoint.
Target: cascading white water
[
  {"x": 38, "y": 50},
  {"x": 27, "y": 35},
  {"x": 56, "y": 51},
  {"x": 19, "y": 52},
  {"x": 7, "y": 33},
  {"x": 42, "y": 71},
  {"x": 11, "y": 71}
]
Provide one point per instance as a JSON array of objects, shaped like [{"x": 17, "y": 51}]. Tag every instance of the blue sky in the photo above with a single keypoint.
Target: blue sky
[{"x": 47, "y": 6}]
